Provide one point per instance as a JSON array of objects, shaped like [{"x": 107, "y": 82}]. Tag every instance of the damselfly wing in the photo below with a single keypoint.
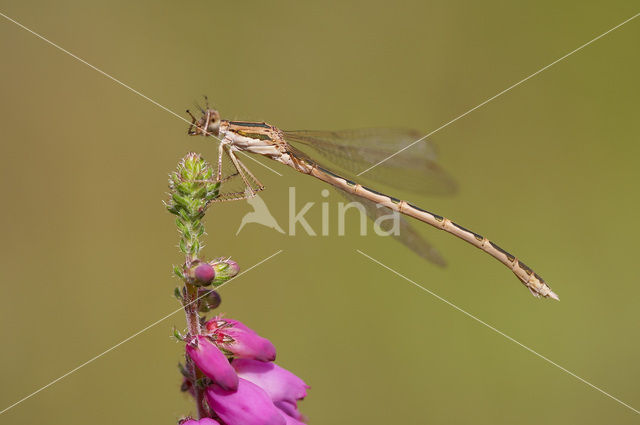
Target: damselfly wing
[
  {"x": 353, "y": 151},
  {"x": 347, "y": 149},
  {"x": 405, "y": 233}
]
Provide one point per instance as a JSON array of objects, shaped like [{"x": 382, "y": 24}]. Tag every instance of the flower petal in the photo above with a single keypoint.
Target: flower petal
[
  {"x": 278, "y": 382},
  {"x": 249, "y": 405},
  {"x": 203, "y": 421},
  {"x": 222, "y": 323},
  {"x": 290, "y": 409},
  {"x": 250, "y": 345},
  {"x": 212, "y": 362},
  {"x": 291, "y": 421},
  {"x": 240, "y": 340}
]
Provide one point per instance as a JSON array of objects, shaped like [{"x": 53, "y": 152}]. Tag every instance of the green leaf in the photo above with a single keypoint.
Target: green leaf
[
  {"x": 200, "y": 193},
  {"x": 181, "y": 201},
  {"x": 185, "y": 188},
  {"x": 177, "y": 335},
  {"x": 184, "y": 215},
  {"x": 178, "y": 294},
  {"x": 180, "y": 225},
  {"x": 183, "y": 370},
  {"x": 177, "y": 270}
]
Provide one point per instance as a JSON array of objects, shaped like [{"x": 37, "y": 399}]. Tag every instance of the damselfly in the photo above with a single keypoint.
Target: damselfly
[{"x": 353, "y": 150}]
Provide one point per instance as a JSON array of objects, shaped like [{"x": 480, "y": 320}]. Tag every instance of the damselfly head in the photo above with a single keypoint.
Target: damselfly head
[{"x": 207, "y": 125}]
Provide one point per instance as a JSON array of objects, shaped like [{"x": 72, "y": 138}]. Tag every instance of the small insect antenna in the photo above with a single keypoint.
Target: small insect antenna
[
  {"x": 206, "y": 101},
  {"x": 197, "y": 105}
]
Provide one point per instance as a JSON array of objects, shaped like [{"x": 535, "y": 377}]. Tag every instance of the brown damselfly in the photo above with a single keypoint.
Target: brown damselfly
[{"x": 353, "y": 150}]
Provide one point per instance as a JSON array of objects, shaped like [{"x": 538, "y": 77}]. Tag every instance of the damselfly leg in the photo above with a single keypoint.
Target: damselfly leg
[
  {"x": 252, "y": 185},
  {"x": 229, "y": 167}
]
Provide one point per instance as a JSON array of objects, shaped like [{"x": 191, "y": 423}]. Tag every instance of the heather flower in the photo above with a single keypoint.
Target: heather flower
[
  {"x": 228, "y": 370},
  {"x": 277, "y": 382},
  {"x": 236, "y": 338},
  {"x": 251, "y": 389},
  {"x": 212, "y": 362},
  {"x": 203, "y": 421},
  {"x": 229, "y": 336},
  {"x": 290, "y": 412},
  {"x": 290, "y": 420},
  {"x": 248, "y": 405},
  {"x": 222, "y": 322}
]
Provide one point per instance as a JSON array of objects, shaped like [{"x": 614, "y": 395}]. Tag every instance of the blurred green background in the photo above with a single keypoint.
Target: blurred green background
[{"x": 549, "y": 170}]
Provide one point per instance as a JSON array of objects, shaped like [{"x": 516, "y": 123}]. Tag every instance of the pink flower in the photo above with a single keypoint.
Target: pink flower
[
  {"x": 238, "y": 339},
  {"x": 290, "y": 412},
  {"x": 203, "y": 421},
  {"x": 251, "y": 389},
  {"x": 212, "y": 362},
  {"x": 291, "y": 421},
  {"x": 279, "y": 383},
  {"x": 248, "y": 405}
]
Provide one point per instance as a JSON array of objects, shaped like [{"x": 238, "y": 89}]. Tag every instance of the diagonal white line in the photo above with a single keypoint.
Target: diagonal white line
[
  {"x": 503, "y": 92},
  {"x": 94, "y": 68},
  {"x": 114, "y": 79},
  {"x": 130, "y": 337},
  {"x": 258, "y": 162},
  {"x": 498, "y": 331},
  {"x": 278, "y": 252}
]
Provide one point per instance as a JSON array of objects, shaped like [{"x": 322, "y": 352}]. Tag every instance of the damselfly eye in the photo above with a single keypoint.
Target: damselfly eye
[{"x": 211, "y": 120}]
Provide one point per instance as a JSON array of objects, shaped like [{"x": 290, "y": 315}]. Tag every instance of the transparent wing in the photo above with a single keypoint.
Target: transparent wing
[
  {"x": 413, "y": 170},
  {"x": 406, "y": 234}
]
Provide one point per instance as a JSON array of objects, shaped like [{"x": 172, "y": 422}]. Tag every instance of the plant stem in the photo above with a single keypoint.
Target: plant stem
[
  {"x": 190, "y": 192},
  {"x": 193, "y": 324}
]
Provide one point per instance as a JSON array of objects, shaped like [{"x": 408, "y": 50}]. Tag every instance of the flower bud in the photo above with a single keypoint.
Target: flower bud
[
  {"x": 224, "y": 269},
  {"x": 202, "y": 274},
  {"x": 209, "y": 300}
]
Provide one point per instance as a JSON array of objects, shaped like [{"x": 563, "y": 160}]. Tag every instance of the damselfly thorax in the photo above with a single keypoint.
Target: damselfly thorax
[{"x": 353, "y": 151}]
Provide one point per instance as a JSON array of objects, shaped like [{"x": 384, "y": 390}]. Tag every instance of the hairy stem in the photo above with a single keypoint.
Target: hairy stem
[
  {"x": 190, "y": 192},
  {"x": 193, "y": 324}
]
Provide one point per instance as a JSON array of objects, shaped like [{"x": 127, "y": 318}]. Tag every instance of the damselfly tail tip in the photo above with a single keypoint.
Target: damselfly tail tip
[{"x": 554, "y": 296}]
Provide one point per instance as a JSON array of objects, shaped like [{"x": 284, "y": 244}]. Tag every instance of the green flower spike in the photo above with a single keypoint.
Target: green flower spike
[{"x": 190, "y": 193}]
